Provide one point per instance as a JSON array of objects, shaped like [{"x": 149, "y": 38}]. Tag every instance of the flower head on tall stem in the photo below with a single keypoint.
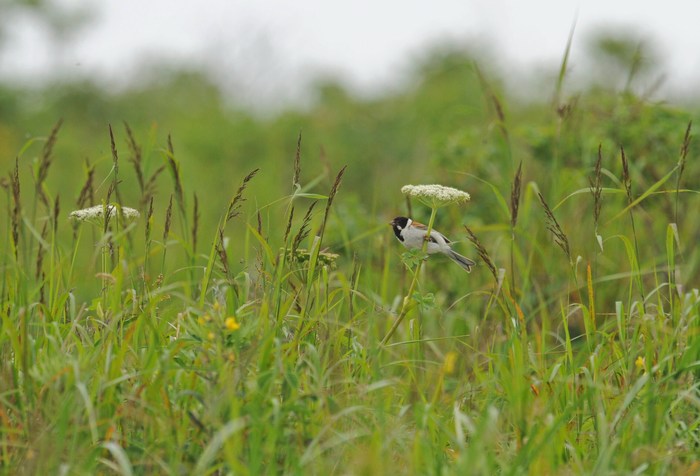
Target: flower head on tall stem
[
  {"x": 98, "y": 213},
  {"x": 435, "y": 196}
]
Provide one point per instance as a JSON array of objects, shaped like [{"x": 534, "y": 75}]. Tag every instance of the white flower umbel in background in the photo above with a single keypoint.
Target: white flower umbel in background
[
  {"x": 100, "y": 216},
  {"x": 96, "y": 215},
  {"x": 433, "y": 196}
]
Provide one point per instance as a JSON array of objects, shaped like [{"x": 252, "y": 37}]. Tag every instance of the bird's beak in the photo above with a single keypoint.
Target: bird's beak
[{"x": 391, "y": 223}]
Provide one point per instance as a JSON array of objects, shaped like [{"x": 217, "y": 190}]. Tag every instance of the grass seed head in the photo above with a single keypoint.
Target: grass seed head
[
  {"x": 297, "y": 164},
  {"x": 234, "y": 206},
  {"x": 554, "y": 227},
  {"x": 87, "y": 193},
  {"x": 483, "y": 254},
  {"x": 515, "y": 196},
  {"x": 596, "y": 186},
  {"x": 45, "y": 163},
  {"x": 626, "y": 177},
  {"x": 168, "y": 220},
  {"x": 16, "y": 215},
  {"x": 195, "y": 223},
  {"x": 304, "y": 229}
]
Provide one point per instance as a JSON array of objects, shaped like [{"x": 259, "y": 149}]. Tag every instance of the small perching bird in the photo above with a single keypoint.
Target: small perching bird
[{"x": 413, "y": 234}]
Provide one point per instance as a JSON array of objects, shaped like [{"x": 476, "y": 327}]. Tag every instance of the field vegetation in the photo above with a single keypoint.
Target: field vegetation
[{"x": 240, "y": 324}]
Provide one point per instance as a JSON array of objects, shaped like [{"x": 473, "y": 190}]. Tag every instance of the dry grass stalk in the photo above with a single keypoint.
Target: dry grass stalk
[
  {"x": 681, "y": 163},
  {"x": 87, "y": 193},
  {"x": 135, "y": 156},
  {"x": 45, "y": 163},
  {"x": 515, "y": 196},
  {"x": 147, "y": 185},
  {"x": 483, "y": 254},
  {"x": 175, "y": 172},
  {"x": 626, "y": 177},
  {"x": 105, "y": 205},
  {"x": 495, "y": 102},
  {"x": 297, "y": 164},
  {"x": 16, "y": 216},
  {"x": 289, "y": 224},
  {"x": 304, "y": 229},
  {"x": 115, "y": 166},
  {"x": 596, "y": 186},
  {"x": 195, "y": 224},
  {"x": 234, "y": 206},
  {"x": 168, "y": 220},
  {"x": 56, "y": 211},
  {"x": 40, "y": 252},
  {"x": 554, "y": 227},
  {"x": 150, "y": 185},
  {"x": 221, "y": 251},
  {"x": 331, "y": 196},
  {"x": 149, "y": 220}
]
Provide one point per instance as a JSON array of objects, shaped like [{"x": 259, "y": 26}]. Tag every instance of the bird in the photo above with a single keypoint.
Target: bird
[{"x": 412, "y": 235}]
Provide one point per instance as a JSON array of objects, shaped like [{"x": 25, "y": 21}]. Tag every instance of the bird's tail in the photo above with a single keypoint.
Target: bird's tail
[{"x": 464, "y": 262}]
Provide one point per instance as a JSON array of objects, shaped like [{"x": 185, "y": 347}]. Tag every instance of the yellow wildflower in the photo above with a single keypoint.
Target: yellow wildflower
[
  {"x": 231, "y": 324},
  {"x": 203, "y": 319},
  {"x": 640, "y": 363}
]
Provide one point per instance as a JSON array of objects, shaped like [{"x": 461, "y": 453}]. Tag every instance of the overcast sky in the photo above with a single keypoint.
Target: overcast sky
[{"x": 267, "y": 48}]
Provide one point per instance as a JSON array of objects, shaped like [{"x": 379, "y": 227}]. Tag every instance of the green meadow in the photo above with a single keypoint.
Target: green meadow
[{"x": 259, "y": 316}]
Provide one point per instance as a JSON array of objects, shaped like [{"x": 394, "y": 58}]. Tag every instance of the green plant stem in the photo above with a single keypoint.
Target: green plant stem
[{"x": 407, "y": 299}]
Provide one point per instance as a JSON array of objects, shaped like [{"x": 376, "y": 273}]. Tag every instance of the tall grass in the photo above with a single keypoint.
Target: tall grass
[{"x": 261, "y": 353}]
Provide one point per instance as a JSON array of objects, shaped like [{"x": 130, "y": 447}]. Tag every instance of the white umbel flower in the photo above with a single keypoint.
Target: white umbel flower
[
  {"x": 97, "y": 213},
  {"x": 435, "y": 195}
]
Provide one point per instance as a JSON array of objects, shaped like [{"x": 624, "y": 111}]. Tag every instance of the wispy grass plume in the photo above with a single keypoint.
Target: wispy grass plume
[
  {"x": 174, "y": 167},
  {"x": 499, "y": 111},
  {"x": 195, "y": 223},
  {"x": 288, "y": 229},
  {"x": 627, "y": 182},
  {"x": 331, "y": 196},
  {"x": 147, "y": 184},
  {"x": 147, "y": 234},
  {"x": 221, "y": 252},
  {"x": 234, "y": 206},
  {"x": 16, "y": 214},
  {"x": 553, "y": 226},
  {"x": 45, "y": 163},
  {"x": 86, "y": 197},
  {"x": 596, "y": 187},
  {"x": 166, "y": 229},
  {"x": 514, "y": 208},
  {"x": 296, "y": 179},
  {"x": 515, "y": 195},
  {"x": 481, "y": 251},
  {"x": 40, "y": 253},
  {"x": 135, "y": 157},
  {"x": 115, "y": 166},
  {"x": 303, "y": 229},
  {"x": 681, "y": 164}
]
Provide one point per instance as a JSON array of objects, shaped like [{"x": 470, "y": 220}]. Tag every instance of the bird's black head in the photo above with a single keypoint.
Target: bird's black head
[{"x": 398, "y": 224}]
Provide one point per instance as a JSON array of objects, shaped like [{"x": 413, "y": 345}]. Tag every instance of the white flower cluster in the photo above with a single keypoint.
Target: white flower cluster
[
  {"x": 435, "y": 195},
  {"x": 97, "y": 213}
]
